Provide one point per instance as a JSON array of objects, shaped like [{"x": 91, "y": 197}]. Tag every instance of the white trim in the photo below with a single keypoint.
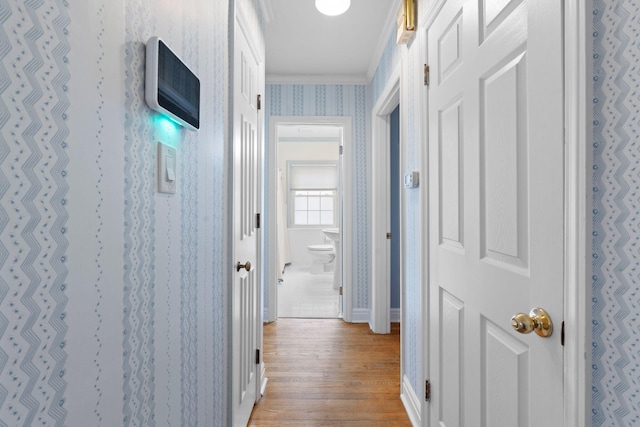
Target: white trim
[
  {"x": 270, "y": 215},
  {"x": 262, "y": 380},
  {"x": 411, "y": 402},
  {"x": 347, "y": 79},
  {"x": 360, "y": 315},
  {"x": 424, "y": 228},
  {"x": 395, "y": 315},
  {"x": 578, "y": 212},
  {"x": 380, "y": 300},
  {"x": 345, "y": 122}
]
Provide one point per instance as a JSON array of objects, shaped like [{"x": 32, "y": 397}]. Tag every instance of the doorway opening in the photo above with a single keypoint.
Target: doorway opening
[
  {"x": 309, "y": 243},
  {"x": 382, "y": 237},
  {"x": 308, "y": 223}
]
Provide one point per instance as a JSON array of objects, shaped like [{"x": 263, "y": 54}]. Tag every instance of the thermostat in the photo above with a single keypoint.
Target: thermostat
[{"x": 411, "y": 179}]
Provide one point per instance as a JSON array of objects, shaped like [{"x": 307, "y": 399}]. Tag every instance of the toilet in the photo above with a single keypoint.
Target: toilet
[{"x": 322, "y": 257}]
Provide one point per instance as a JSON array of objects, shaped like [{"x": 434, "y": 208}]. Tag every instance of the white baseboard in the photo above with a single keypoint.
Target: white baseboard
[
  {"x": 395, "y": 315},
  {"x": 411, "y": 402},
  {"x": 360, "y": 315},
  {"x": 263, "y": 378}
]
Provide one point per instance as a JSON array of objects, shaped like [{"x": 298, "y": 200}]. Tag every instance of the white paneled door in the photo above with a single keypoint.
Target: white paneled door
[
  {"x": 245, "y": 198},
  {"x": 496, "y": 158}
]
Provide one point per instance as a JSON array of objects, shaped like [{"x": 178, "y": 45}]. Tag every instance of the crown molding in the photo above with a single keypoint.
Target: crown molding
[{"x": 317, "y": 79}]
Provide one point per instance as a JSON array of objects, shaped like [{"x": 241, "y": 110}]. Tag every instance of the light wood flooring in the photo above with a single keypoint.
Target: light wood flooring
[{"x": 325, "y": 372}]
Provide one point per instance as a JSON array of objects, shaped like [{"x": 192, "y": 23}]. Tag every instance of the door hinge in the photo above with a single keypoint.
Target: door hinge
[
  {"x": 340, "y": 290},
  {"x": 562, "y": 333},
  {"x": 257, "y": 220},
  {"x": 388, "y": 236},
  {"x": 427, "y": 391},
  {"x": 257, "y": 356},
  {"x": 340, "y": 149},
  {"x": 259, "y": 102},
  {"x": 426, "y": 75}
]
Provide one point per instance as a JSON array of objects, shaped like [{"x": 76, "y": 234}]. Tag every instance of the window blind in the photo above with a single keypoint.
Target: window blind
[{"x": 305, "y": 176}]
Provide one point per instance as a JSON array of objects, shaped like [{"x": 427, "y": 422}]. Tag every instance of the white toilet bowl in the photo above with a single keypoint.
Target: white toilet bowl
[{"x": 322, "y": 257}]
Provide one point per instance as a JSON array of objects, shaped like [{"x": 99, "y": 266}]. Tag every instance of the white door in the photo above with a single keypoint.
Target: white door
[
  {"x": 245, "y": 197},
  {"x": 496, "y": 161}
]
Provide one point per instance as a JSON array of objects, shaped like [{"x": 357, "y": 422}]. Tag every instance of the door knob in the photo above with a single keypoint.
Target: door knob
[
  {"x": 246, "y": 266},
  {"x": 537, "y": 320}
]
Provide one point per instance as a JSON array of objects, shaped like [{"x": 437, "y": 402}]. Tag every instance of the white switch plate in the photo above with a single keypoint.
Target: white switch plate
[{"x": 167, "y": 174}]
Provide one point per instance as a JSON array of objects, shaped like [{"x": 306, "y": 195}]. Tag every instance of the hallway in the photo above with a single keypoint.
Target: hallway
[{"x": 326, "y": 372}]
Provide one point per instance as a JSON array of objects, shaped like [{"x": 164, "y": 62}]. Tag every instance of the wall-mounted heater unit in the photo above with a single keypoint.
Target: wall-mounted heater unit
[{"x": 170, "y": 86}]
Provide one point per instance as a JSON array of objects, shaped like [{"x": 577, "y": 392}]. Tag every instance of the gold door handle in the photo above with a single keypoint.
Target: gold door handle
[
  {"x": 537, "y": 320},
  {"x": 246, "y": 266}
]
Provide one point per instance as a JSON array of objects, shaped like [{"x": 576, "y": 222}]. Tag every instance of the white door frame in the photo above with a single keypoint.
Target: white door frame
[
  {"x": 389, "y": 99},
  {"x": 344, "y": 122},
  {"x": 578, "y": 51},
  {"x": 578, "y": 210}
]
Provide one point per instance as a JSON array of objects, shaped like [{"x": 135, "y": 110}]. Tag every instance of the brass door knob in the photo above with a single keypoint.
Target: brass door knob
[
  {"x": 246, "y": 266},
  {"x": 537, "y": 320}
]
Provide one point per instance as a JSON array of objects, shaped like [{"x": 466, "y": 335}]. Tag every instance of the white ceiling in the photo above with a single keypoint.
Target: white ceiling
[{"x": 305, "y": 46}]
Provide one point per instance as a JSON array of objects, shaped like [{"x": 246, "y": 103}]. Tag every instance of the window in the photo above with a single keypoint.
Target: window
[
  {"x": 313, "y": 207},
  {"x": 313, "y": 187}
]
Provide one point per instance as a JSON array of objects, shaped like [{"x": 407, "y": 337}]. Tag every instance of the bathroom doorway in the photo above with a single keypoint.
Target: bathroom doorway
[{"x": 307, "y": 221}]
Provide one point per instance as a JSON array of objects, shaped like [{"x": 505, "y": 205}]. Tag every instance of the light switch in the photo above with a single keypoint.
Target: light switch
[
  {"x": 166, "y": 169},
  {"x": 171, "y": 165}
]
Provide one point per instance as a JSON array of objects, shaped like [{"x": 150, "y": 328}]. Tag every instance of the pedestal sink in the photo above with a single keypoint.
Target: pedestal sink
[{"x": 334, "y": 235}]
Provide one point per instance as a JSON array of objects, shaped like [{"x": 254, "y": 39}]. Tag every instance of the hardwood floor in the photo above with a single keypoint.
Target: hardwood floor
[{"x": 325, "y": 372}]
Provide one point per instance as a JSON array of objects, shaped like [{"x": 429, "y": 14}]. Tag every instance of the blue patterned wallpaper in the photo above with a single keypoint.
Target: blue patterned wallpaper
[
  {"x": 113, "y": 304},
  {"x": 189, "y": 255},
  {"x": 33, "y": 212},
  {"x": 388, "y": 62},
  {"x": 412, "y": 225},
  {"x": 616, "y": 224},
  {"x": 337, "y": 100},
  {"x": 139, "y": 221},
  {"x": 410, "y": 123}
]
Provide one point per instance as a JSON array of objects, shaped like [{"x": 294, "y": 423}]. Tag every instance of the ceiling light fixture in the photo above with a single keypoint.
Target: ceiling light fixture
[{"x": 333, "y": 7}]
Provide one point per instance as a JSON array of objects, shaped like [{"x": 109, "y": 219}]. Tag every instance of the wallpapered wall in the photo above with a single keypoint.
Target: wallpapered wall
[
  {"x": 410, "y": 119},
  {"x": 336, "y": 100},
  {"x": 616, "y": 224},
  {"x": 112, "y": 300},
  {"x": 91, "y": 257}
]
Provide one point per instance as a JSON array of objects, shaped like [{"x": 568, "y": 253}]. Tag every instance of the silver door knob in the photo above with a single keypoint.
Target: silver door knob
[{"x": 537, "y": 320}]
